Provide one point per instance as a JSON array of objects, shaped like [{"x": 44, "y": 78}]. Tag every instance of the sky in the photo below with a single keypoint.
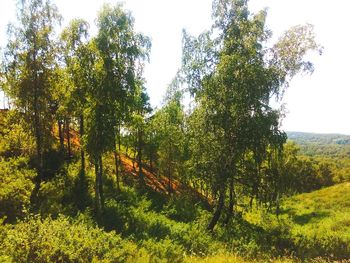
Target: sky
[{"x": 317, "y": 103}]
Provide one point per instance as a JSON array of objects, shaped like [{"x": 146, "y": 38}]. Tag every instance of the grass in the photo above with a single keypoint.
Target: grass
[
  {"x": 148, "y": 226},
  {"x": 316, "y": 224},
  {"x": 323, "y": 211}
]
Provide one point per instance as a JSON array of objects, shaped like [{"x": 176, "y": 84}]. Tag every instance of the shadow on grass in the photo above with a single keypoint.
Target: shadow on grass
[{"x": 306, "y": 218}]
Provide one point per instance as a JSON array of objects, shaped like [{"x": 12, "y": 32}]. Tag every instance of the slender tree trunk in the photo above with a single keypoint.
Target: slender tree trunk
[
  {"x": 117, "y": 159},
  {"x": 277, "y": 205},
  {"x": 68, "y": 139},
  {"x": 251, "y": 201},
  {"x": 97, "y": 189},
  {"x": 126, "y": 150},
  {"x": 218, "y": 210},
  {"x": 82, "y": 153},
  {"x": 119, "y": 154},
  {"x": 39, "y": 168},
  {"x": 101, "y": 182},
  {"x": 214, "y": 194},
  {"x": 151, "y": 161},
  {"x": 119, "y": 147},
  {"x": 38, "y": 136},
  {"x": 170, "y": 188},
  {"x": 139, "y": 157},
  {"x": 61, "y": 136},
  {"x": 133, "y": 160},
  {"x": 116, "y": 166},
  {"x": 170, "y": 159},
  {"x": 231, "y": 203}
]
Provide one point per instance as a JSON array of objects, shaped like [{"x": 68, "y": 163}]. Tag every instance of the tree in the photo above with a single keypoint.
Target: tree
[
  {"x": 233, "y": 77},
  {"x": 113, "y": 70},
  {"x": 141, "y": 108},
  {"x": 74, "y": 45},
  {"x": 30, "y": 59},
  {"x": 98, "y": 122},
  {"x": 169, "y": 123}
]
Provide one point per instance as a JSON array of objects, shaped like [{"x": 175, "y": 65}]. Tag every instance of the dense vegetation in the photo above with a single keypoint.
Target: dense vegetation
[
  {"x": 331, "y": 150},
  {"x": 89, "y": 172}
]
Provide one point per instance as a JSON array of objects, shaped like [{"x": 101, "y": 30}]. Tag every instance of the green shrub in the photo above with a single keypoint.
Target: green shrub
[
  {"x": 135, "y": 219},
  {"x": 15, "y": 187},
  {"x": 64, "y": 240},
  {"x": 15, "y": 135},
  {"x": 181, "y": 208},
  {"x": 165, "y": 250}
]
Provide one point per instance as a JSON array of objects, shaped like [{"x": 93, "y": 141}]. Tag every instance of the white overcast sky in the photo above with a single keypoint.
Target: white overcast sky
[{"x": 318, "y": 103}]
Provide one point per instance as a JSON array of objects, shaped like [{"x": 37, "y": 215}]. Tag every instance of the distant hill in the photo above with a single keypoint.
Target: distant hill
[
  {"x": 327, "y": 145},
  {"x": 321, "y": 138}
]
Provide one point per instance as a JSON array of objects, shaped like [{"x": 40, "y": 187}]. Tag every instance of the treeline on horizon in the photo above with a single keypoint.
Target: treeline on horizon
[{"x": 80, "y": 100}]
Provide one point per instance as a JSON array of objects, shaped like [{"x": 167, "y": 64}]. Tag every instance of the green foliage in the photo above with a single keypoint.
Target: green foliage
[
  {"x": 54, "y": 193},
  {"x": 233, "y": 75},
  {"x": 302, "y": 173},
  {"x": 330, "y": 149},
  {"x": 164, "y": 251},
  {"x": 64, "y": 240},
  {"x": 67, "y": 193},
  {"x": 168, "y": 124},
  {"x": 15, "y": 136},
  {"x": 181, "y": 208},
  {"x": 133, "y": 217},
  {"x": 30, "y": 60},
  {"x": 16, "y": 186}
]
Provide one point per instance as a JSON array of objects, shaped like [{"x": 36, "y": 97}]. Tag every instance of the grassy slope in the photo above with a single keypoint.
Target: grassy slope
[
  {"x": 325, "y": 212},
  {"x": 317, "y": 223}
]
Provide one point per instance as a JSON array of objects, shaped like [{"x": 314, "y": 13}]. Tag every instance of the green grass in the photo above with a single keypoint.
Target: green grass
[
  {"x": 315, "y": 224},
  {"x": 142, "y": 226},
  {"x": 323, "y": 218},
  {"x": 323, "y": 211}
]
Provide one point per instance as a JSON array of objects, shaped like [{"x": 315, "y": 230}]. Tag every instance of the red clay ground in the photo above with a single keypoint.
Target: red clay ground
[{"x": 156, "y": 182}]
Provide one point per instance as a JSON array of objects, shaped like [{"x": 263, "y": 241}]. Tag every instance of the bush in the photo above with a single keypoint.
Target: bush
[
  {"x": 165, "y": 251},
  {"x": 15, "y": 135},
  {"x": 16, "y": 187},
  {"x": 181, "y": 208},
  {"x": 134, "y": 218},
  {"x": 64, "y": 240}
]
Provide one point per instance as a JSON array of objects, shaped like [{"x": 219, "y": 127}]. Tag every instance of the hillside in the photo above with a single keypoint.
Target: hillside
[
  {"x": 91, "y": 172},
  {"x": 325, "y": 210},
  {"x": 312, "y": 224},
  {"x": 323, "y": 218},
  {"x": 326, "y": 145},
  {"x": 319, "y": 138}
]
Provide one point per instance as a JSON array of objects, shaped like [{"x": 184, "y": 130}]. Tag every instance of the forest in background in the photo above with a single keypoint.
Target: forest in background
[{"x": 91, "y": 173}]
